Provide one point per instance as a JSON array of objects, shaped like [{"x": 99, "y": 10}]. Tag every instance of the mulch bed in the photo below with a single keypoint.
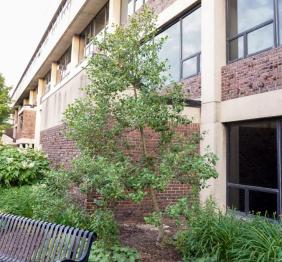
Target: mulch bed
[{"x": 143, "y": 238}]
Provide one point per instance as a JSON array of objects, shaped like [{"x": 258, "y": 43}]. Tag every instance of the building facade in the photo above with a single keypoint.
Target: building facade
[{"x": 227, "y": 54}]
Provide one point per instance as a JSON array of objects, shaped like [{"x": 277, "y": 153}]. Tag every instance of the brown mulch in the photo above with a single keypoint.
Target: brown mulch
[{"x": 143, "y": 238}]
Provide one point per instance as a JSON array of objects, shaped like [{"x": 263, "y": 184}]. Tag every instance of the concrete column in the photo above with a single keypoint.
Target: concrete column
[
  {"x": 25, "y": 101},
  {"x": 54, "y": 71},
  {"x": 40, "y": 92},
  {"x": 213, "y": 58},
  {"x": 15, "y": 123},
  {"x": 114, "y": 13},
  {"x": 75, "y": 51},
  {"x": 32, "y": 97}
]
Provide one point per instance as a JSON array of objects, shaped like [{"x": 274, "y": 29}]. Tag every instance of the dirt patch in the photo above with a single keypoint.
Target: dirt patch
[{"x": 143, "y": 238}]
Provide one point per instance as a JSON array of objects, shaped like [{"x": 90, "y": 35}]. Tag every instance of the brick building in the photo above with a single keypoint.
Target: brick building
[{"x": 226, "y": 52}]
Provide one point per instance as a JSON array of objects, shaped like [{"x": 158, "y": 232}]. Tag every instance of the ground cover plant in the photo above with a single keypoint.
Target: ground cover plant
[{"x": 215, "y": 236}]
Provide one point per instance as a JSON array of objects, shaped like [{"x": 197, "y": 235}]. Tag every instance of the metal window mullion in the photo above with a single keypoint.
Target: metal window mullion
[
  {"x": 181, "y": 51},
  {"x": 134, "y": 6},
  {"x": 268, "y": 22},
  {"x": 275, "y": 11},
  {"x": 199, "y": 63},
  {"x": 247, "y": 201},
  {"x": 245, "y": 39},
  {"x": 191, "y": 56},
  {"x": 276, "y": 22},
  {"x": 279, "y": 167},
  {"x": 254, "y": 188}
]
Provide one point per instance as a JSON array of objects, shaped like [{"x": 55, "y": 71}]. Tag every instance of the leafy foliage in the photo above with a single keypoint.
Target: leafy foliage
[
  {"x": 128, "y": 92},
  {"x": 21, "y": 166},
  {"x": 105, "y": 226},
  {"x": 53, "y": 203},
  {"x": 114, "y": 254},
  {"x": 4, "y": 105},
  {"x": 214, "y": 236},
  {"x": 17, "y": 200}
]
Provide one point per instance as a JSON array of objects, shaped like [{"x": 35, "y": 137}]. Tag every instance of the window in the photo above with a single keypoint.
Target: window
[
  {"x": 129, "y": 7},
  {"x": 251, "y": 26},
  {"x": 64, "y": 64},
  {"x": 47, "y": 80},
  {"x": 279, "y": 15},
  {"x": 21, "y": 121},
  {"x": 254, "y": 157},
  {"x": 182, "y": 49},
  {"x": 95, "y": 28}
]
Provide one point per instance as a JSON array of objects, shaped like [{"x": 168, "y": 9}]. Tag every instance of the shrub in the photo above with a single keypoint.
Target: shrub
[
  {"x": 105, "y": 226},
  {"x": 21, "y": 166},
  {"x": 17, "y": 200},
  {"x": 214, "y": 236},
  {"x": 54, "y": 204}
]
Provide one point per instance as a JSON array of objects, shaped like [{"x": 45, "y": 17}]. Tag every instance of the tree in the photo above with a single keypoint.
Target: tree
[
  {"x": 4, "y": 105},
  {"x": 128, "y": 92}
]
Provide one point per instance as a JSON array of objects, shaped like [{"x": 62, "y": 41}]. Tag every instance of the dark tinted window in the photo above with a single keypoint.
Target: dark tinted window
[
  {"x": 254, "y": 154},
  {"x": 253, "y": 167}
]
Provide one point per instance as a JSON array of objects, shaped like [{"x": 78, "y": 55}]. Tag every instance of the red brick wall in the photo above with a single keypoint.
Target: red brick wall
[
  {"x": 28, "y": 127},
  {"x": 257, "y": 74},
  {"x": 127, "y": 211},
  {"x": 61, "y": 151},
  {"x": 192, "y": 87}
]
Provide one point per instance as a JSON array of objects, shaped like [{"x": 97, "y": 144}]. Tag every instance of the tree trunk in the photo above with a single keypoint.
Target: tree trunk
[{"x": 152, "y": 191}]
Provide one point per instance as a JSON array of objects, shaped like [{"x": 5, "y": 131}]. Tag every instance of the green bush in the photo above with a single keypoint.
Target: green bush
[
  {"x": 53, "y": 202},
  {"x": 214, "y": 236},
  {"x": 17, "y": 200},
  {"x": 104, "y": 224},
  {"x": 21, "y": 166}
]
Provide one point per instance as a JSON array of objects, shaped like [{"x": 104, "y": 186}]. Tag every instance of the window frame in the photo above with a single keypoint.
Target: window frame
[
  {"x": 244, "y": 34},
  {"x": 91, "y": 25},
  {"x": 177, "y": 19},
  {"x": 134, "y": 6},
  {"x": 47, "y": 81},
  {"x": 248, "y": 188}
]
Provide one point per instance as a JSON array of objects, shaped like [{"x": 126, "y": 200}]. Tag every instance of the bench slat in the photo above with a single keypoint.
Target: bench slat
[
  {"x": 9, "y": 234},
  {"x": 62, "y": 243},
  {"x": 27, "y": 240}
]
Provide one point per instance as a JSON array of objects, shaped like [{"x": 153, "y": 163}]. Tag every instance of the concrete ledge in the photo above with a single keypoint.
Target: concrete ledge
[{"x": 262, "y": 105}]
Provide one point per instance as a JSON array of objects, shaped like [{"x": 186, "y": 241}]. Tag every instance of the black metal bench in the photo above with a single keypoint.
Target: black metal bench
[{"x": 27, "y": 240}]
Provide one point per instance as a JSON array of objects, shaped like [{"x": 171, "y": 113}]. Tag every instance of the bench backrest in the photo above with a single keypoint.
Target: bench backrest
[{"x": 25, "y": 239}]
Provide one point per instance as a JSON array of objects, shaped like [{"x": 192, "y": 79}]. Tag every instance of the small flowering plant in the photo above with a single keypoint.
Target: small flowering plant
[{"x": 21, "y": 166}]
